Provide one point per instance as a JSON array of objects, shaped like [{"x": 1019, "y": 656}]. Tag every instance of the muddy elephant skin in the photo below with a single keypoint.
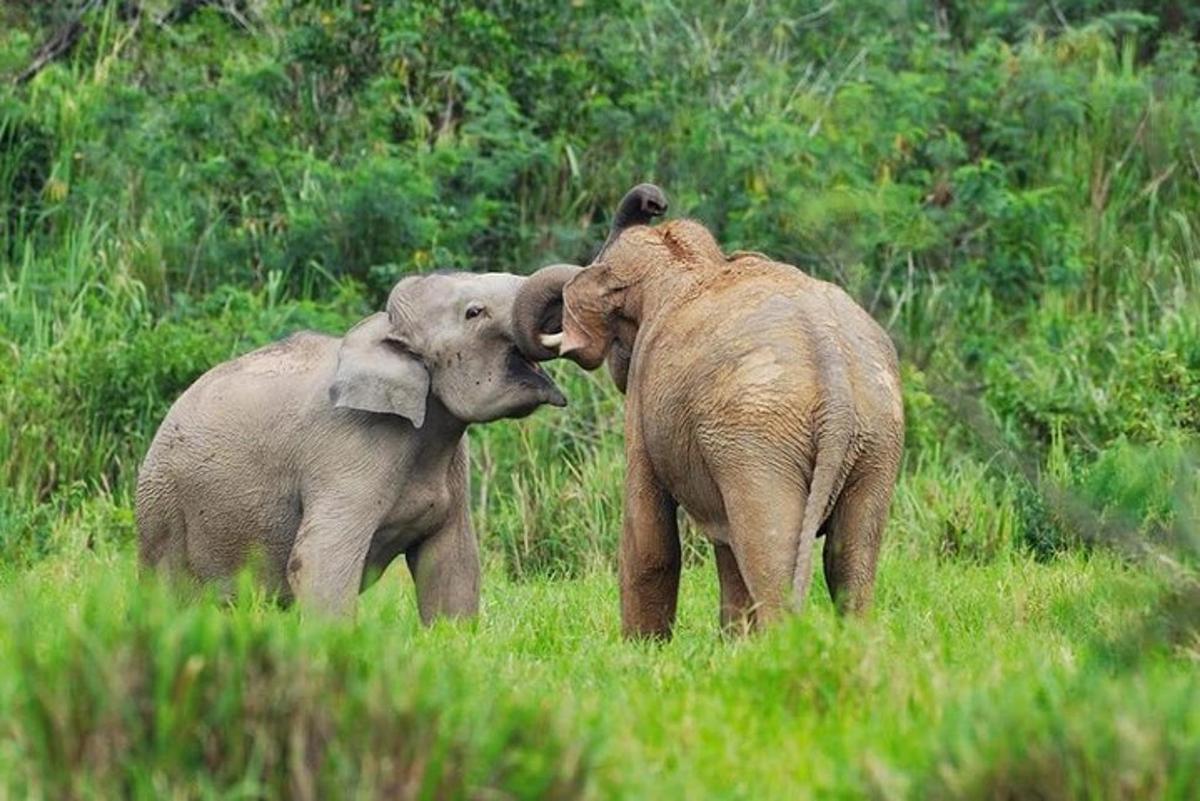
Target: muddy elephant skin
[{"x": 764, "y": 401}]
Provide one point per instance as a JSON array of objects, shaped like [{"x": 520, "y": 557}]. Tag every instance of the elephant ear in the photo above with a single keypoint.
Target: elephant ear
[{"x": 375, "y": 373}]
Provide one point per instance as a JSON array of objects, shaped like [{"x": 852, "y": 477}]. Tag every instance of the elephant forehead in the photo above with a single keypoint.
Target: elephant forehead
[
  {"x": 497, "y": 291},
  {"x": 683, "y": 242},
  {"x": 495, "y": 285},
  {"x": 438, "y": 291}
]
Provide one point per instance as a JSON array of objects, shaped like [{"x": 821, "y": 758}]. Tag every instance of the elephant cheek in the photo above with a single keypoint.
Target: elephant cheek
[
  {"x": 573, "y": 342},
  {"x": 579, "y": 347},
  {"x": 578, "y": 344}
]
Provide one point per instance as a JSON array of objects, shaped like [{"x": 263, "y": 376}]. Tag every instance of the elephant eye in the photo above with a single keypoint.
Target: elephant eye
[{"x": 474, "y": 310}]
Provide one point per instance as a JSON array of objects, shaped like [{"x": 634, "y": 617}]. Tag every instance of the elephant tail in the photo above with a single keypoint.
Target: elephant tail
[{"x": 835, "y": 427}]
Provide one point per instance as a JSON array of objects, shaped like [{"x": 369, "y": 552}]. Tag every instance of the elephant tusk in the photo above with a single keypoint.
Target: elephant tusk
[{"x": 551, "y": 341}]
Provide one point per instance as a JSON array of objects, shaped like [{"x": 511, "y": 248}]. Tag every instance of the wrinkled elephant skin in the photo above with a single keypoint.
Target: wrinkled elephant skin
[{"x": 318, "y": 460}]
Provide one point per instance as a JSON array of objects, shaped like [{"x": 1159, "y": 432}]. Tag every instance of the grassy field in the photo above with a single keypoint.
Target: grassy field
[
  {"x": 1010, "y": 187},
  {"x": 1011, "y": 679}
]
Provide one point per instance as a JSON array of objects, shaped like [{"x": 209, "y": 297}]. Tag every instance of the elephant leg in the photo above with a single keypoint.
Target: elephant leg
[
  {"x": 764, "y": 525},
  {"x": 737, "y": 605},
  {"x": 650, "y": 559},
  {"x": 853, "y": 537},
  {"x": 445, "y": 570},
  {"x": 162, "y": 534},
  {"x": 325, "y": 568}
]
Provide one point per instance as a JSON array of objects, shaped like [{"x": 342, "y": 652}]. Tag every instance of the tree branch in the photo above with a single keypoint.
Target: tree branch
[{"x": 60, "y": 44}]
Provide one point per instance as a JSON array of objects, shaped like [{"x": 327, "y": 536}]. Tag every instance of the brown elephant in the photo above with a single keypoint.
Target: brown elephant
[{"x": 763, "y": 400}]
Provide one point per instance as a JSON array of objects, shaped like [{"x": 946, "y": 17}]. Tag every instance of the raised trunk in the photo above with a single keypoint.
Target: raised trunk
[
  {"x": 639, "y": 207},
  {"x": 538, "y": 309}
]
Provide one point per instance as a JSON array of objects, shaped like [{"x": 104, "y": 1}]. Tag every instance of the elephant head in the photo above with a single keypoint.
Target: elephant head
[
  {"x": 538, "y": 312},
  {"x": 444, "y": 338}
]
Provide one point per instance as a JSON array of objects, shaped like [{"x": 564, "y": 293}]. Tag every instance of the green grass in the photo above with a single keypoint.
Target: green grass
[
  {"x": 1004, "y": 680},
  {"x": 1010, "y": 187}
]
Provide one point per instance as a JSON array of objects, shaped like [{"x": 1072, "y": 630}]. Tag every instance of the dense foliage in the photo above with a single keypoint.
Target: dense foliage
[{"x": 1010, "y": 186}]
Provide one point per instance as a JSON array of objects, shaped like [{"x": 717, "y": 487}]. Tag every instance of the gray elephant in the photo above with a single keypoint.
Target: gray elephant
[
  {"x": 765, "y": 402},
  {"x": 325, "y": 458}
]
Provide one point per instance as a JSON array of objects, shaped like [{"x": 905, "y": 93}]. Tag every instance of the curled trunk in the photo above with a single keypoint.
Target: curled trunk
[{"x": 538, "y": 309}]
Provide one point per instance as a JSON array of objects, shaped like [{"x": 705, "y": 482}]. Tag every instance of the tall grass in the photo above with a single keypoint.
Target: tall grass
[
  {"x": 1006, "y": 679},
  {"x": 1009, "y": 189}
]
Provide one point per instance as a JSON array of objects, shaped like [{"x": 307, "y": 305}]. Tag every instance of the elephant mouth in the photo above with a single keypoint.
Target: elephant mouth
[{"x": 527, "y": 372}]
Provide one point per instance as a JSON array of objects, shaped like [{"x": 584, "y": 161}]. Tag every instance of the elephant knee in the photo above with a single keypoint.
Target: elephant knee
[{"x": 294, "y": 565}]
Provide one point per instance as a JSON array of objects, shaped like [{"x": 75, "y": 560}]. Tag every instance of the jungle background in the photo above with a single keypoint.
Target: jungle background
[{"x": 1010, "y": 186}]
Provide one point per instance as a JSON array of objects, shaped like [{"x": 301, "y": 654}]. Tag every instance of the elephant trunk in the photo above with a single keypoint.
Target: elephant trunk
[
  {"x": 538, "y": 309},
  {"x": 639, "y": 207}
]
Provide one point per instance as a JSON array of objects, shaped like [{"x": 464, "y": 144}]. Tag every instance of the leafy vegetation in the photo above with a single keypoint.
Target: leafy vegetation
[{"x": 1010, "y": 186}]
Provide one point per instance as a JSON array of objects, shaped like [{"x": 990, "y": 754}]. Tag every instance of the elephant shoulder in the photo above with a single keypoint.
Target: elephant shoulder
[
  {"x": 301, "y": 352},
  {"x": 246, "y": 379}
]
